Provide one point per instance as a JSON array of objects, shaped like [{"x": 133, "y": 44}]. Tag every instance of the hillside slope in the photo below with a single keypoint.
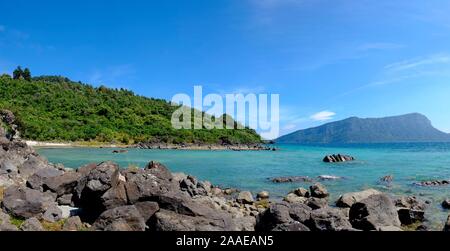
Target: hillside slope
[
  {"x": 52, "y": 108},
  {"x": 405, "y": 128}
]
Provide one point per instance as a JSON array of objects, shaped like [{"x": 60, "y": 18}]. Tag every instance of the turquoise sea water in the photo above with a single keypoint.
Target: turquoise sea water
[{"x": 251, "y": 170}]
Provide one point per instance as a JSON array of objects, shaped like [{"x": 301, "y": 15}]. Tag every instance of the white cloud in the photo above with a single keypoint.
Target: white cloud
[
  {"x": 418, "y": 62},
  {"x": 323, "y": 116}
]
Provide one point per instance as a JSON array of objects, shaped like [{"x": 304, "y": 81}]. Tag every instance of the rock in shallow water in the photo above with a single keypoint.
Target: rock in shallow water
[
  {"x": 318, "y": 191},
  {"x": 337, "y": 158}
]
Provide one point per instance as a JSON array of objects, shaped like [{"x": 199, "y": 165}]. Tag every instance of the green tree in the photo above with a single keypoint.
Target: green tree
[
  {"x": 26, "y": 74},
  {"x": 18, "y": 73}
]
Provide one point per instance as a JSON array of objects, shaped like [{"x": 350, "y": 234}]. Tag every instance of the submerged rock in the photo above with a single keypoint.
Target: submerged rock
[
  {"x": 337, "y": 158},
  {"x": 290, "y": 179},
  {"x": 433, "y": 183}
]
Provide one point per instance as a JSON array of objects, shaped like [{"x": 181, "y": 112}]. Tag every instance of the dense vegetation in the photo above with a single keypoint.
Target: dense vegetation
[
  {"x": 406, "y": 128},
  {"x": 53, "y": 108}
]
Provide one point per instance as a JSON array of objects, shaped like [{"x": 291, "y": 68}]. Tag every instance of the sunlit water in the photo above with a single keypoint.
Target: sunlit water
[{"x": 248, "y": 170}]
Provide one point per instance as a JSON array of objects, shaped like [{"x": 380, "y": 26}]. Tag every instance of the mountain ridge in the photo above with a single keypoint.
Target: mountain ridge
[{"x": 411, "y": 127}]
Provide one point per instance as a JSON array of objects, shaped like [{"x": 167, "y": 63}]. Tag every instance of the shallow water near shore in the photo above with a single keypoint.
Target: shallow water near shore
[{"x": 251, "y": 170}]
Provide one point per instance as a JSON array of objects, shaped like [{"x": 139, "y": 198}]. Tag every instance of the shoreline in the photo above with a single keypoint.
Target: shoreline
[{"x": 157, "y": 146}]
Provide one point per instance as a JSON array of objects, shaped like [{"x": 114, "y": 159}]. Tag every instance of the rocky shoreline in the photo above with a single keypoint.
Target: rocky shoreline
[
  {"x": 233, "y": 147},
  {"x": 39, "y": 196}
]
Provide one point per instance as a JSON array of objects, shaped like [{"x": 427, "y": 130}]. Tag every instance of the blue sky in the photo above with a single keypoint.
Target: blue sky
[{"x": 328, "y": 60}]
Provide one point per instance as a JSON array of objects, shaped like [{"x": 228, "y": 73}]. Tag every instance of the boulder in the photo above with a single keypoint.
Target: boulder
[
  {"x": 337, "y": 158},
  {"x": 52, "y": 214},
  {"x": 73, "y": 224},
  {"x": 115, "y": 196},
  {"x": 318, "y": 191},
  {"x": 373, "y": 212},
  {"x": 245, "y": 197},
  {"x": 32, "y": 224},
  {"x": 5, "y": 223},
  {"x": 103, "y": 177},
  {"x": 300, "y": 212},
  {"x": 146, "y": 184},
  {"x": 387, "y": 179},
  {"x": 40, "y": 177},
  {"x": 447, "y": 225},
  {"x": 329, "y": 219},
  {"x": 31, "y": 165},
  {"x": 159, "y": 170},
  {"x": 302, "y": 192},
  {"x": 147, "y": 209},
  {"x": 348, "y": 199},
  {"x": 316, "y": 203},
  {"x": 170, "y": 221},
  {"x": 263, "y": 195},
  {"x": 125, "y": 218},
  {"x": 410, "y": 210},
  {"x": 193, "y": 187},
  {"x": 62, "y": 184},
  {"x": 446, "y": 204},
  {"x": 92, "y": 187},
  {"x": 294, "y": 198},
  {"x": 7, "y": 167},
  {"x": 24, "y": 202}
]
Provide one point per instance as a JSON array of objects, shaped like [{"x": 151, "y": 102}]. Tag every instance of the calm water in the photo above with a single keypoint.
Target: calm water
[{"x": 251, "y": 170}]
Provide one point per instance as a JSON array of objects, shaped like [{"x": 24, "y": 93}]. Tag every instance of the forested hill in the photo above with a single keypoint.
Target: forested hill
[
  {"x": 412, "y": 127},
  {"x": 52, "y": 108}
]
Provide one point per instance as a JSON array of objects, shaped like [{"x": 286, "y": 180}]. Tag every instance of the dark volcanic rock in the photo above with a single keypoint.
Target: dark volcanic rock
[
  {"x": 446, "y": 204},
  {"x": 410, "y": 210},
  {"x": 329, "y": 219},
  {"x": 146, "y": 184},
  {"x": 115, "y": 196},
  {"x": 37, "y": 180},
  {"x": 318, "y": 191},
  {"x": 284, "y": 216},
  {"x": 147, "y": 209},
  {"x": 433, "y": 183},
  {"x": 62, "y": 184},
  {"x": 292, "y": 227},
  {"x": 93, "y": 186},
  {"x": 289, "y": 179},
  {"x": 447, "y": 225},
  {"x": 337, "y": 158},
  {"x": 165, "y": 220},
  {"x": 373, "y": 212},
  {"x": 24, "y": 202},
  {"x": 125, "y": 218},
  {"x": 316, "y": 203}
]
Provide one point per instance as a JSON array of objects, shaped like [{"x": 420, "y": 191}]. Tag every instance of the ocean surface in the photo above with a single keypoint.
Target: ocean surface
[{"x": 248, "y": 170}]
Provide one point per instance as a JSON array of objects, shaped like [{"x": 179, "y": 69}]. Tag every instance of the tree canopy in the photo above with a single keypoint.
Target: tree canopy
[{"x": 54, "y": 108}]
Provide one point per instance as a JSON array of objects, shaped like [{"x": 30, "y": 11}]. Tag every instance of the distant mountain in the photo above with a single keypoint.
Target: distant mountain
[{"x": 412, "y": 127}]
